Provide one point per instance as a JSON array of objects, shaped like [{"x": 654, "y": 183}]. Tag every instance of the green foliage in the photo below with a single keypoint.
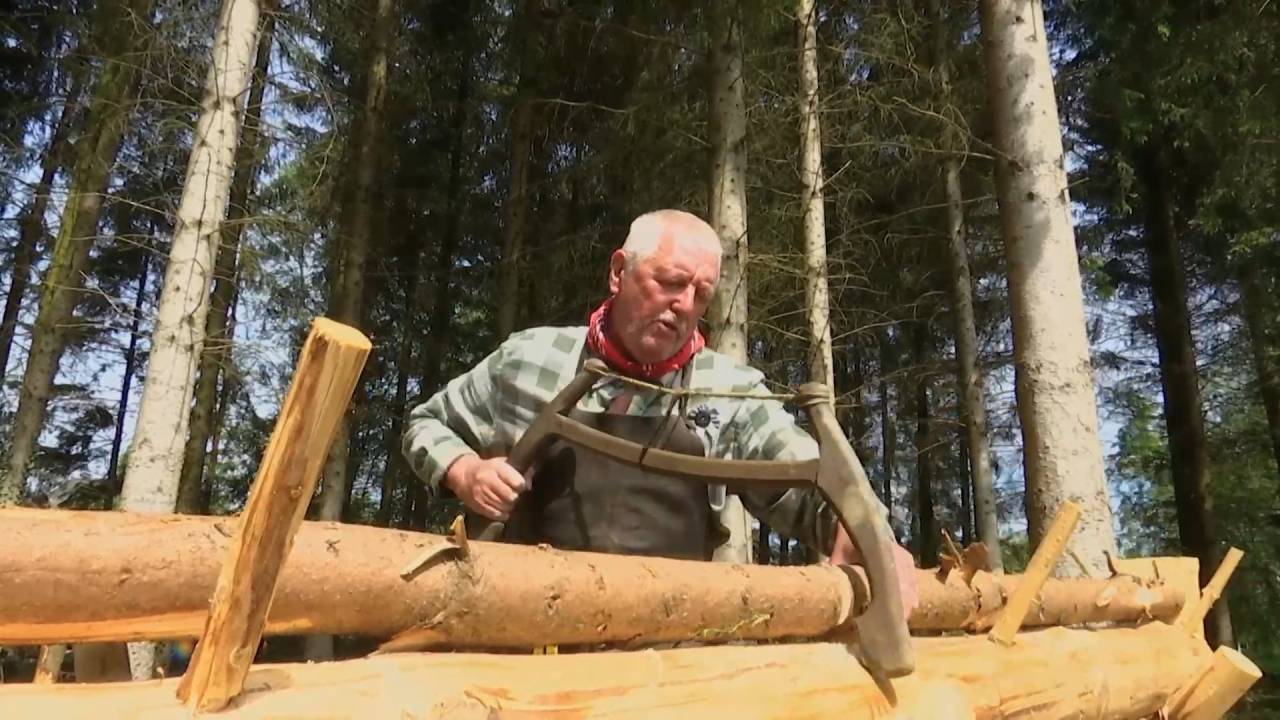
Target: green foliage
[
  {"x": 1016, "y": 552},
  {"x": 1177, "y": 95},
  {"x": 1140, "y": 476}
]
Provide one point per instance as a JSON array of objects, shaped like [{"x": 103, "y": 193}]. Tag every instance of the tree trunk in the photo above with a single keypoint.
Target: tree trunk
[
  {"x": 858, "y": 413},
  {"x": 728, "y": 212},
  {"x": 151, "y": 577},
  {"x": 817, "y": 296},
  {"x": 100, "y": 663},
  {"x": 399, "y": 404},
  {"x": 440, "y": 320},
  {"x": 365, "y": 162},
  {"x": 226, "y": 394},
  {"x": 130, "y": 366},
  {"x": 973, "y": 396},
  {"x": 972, "y": 400},
  {"x": 1257, "y": 313},
  {"x": 888, "y": 425},
  {"x": 156, "y": 451},
  {"x": 727, "y": 314},
  {"x": 417, "y": 519},
  {"x": 764, "y": 551},
  {"x": 966, "y": 498},
  {"x": 1062, "y": 454},
  {"x": 440, "y": 309},
  {"x": 106, "y": 119},
  {"x": 516, "y": 217},
  {"x": 516, "y": 212},
  {"x": 217, "y": 341},
  {"x": 31, "y": 226},
  {"x": 927, "y": 539},
  {"x": 1179, "y": 379},
  {"x": 358, "y": 450}
]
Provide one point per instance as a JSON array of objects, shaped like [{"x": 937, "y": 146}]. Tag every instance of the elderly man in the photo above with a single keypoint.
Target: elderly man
[{"x": 660, "y": 283}]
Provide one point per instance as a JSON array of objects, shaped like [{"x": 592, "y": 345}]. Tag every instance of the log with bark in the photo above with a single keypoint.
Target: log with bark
[
  {"x": 1053, "y": 673},
  {"x": 92, "y": 576}
]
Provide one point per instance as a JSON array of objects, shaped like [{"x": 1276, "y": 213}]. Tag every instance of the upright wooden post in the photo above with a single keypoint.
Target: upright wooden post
[
  {"x": 49, "y": 663},
  {"x": 1194, "y": 619},
  {"x": 1042, "y": 562},
  {"x": 328, "y": 368}
]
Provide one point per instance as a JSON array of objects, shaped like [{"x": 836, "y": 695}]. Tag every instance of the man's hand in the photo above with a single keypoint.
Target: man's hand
[
  {"x": 844, "y": 552},
  {"x": 487, "y": 486}
]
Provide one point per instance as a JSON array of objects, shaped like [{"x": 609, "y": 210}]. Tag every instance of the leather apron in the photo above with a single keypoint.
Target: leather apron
[{"x": 580, "y": 499}]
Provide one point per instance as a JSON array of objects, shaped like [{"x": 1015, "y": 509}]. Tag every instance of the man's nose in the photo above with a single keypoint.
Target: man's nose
[{"x": 683, "y": 302}]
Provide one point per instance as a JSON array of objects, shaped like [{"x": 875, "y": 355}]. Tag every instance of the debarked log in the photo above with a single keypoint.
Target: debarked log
[
  {"x": 70, "y": 576},
  {"x": 1052, "y": 673}
]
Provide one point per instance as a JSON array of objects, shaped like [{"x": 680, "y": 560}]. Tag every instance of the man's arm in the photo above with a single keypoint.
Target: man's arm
[{"x": 456, "y": 422}]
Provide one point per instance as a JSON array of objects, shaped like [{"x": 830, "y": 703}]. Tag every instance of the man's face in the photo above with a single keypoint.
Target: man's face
[{"x": 659, "y": 300}]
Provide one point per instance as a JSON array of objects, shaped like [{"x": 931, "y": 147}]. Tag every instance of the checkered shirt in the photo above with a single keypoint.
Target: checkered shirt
[{"x": 487, "y": 409}]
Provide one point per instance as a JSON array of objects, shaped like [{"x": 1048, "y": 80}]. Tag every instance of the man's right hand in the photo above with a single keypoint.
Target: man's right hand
[{"x": 487, "y": 486}]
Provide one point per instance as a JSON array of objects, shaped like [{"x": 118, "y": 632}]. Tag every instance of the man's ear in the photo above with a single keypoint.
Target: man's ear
[{"x": 617, "y": 265}]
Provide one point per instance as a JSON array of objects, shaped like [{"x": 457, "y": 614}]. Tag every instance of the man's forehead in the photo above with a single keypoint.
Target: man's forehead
[{"x": 684, "y": 249}]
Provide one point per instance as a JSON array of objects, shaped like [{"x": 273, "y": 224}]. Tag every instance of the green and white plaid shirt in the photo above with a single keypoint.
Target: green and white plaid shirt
[{"x": 487, "y": 409}]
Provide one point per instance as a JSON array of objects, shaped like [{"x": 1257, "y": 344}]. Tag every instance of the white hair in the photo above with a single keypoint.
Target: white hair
[{"x": 648, "y": 230}]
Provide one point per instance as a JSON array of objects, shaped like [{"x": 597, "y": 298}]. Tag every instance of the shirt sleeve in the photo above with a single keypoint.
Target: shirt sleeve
[
  {"x": 458, "y": 420},
  {"x": 764, "y": 430}
]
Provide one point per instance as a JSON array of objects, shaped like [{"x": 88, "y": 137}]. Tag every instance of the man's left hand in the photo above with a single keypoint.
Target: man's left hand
[{"x": 844, "y": 552}]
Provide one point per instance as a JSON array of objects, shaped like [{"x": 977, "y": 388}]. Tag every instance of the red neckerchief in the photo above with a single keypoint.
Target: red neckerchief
[{"x": 601, "y": 342}]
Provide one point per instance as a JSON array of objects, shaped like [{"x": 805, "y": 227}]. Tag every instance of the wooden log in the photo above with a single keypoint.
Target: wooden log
[
  {"x": 977, "y": 606},
  {"x": 1219, "y": 684},
  {"x": 1054, "y": 673},
  {"x": 328, "y": 368},
  {"x": 151, "y": 578},
  {"x": 1194, "y": 620},
  {"x": 1038, "y": 569}
]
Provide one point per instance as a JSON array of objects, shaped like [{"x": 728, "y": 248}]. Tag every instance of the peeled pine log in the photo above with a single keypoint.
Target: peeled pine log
[
  {"x": 1219, "y": 684},
  {"x": 953, "y": 605},
  {"x": 151, "y": 577},
  {"x": 1053, "y": 673}
]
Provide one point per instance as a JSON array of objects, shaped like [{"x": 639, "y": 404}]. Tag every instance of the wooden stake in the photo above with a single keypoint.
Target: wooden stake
[
  {"x": 328, "y": 369},
  {"x": 1042, "y": 562},
  {"x": 952, "y": 550},
  {"x": 1223, "y": 680},
  {"x": 1194, "y": 620}
]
